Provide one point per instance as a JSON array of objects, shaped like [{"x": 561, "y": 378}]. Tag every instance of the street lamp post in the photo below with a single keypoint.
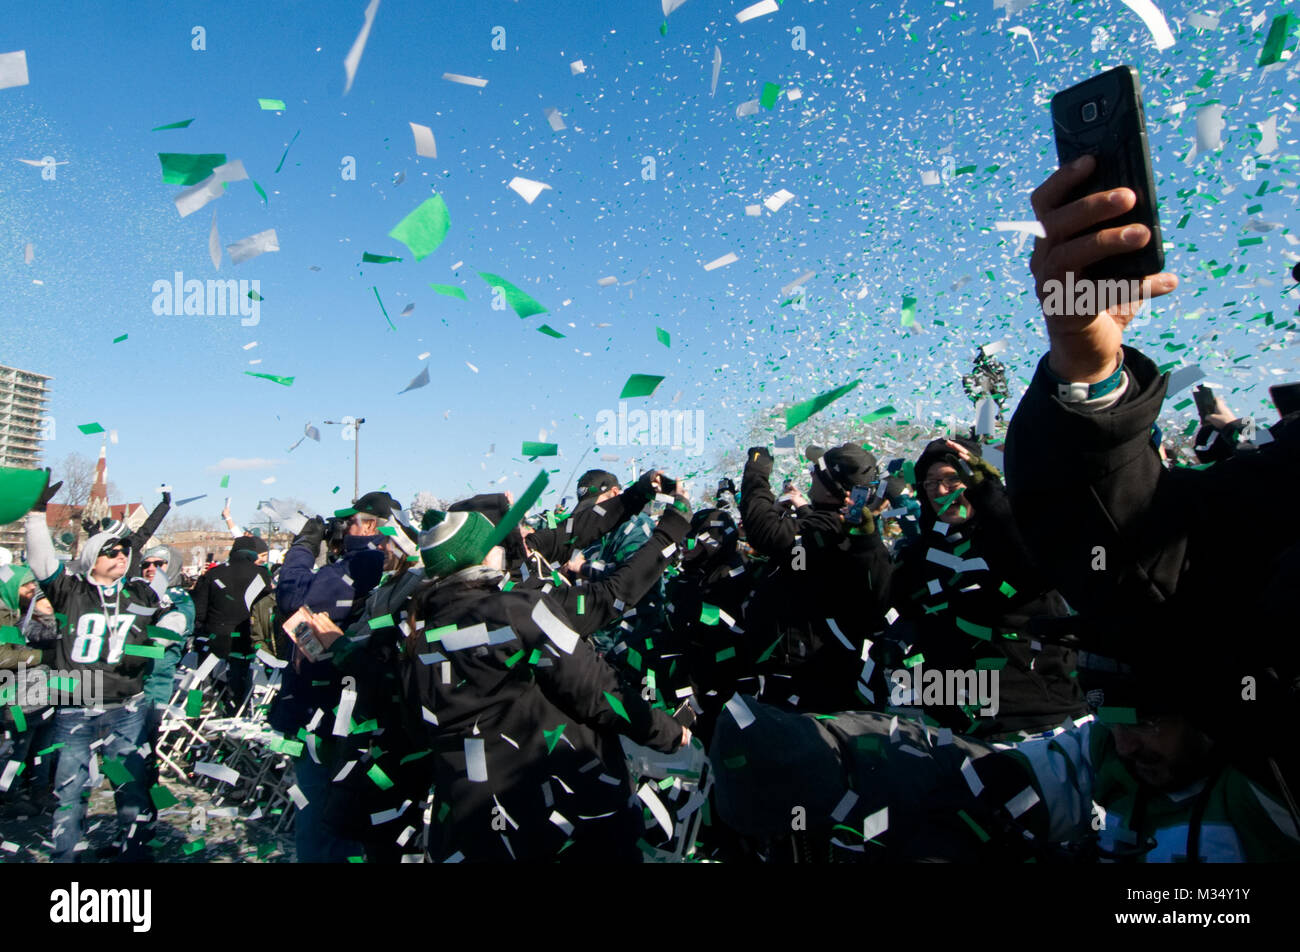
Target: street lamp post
[{"x": 356, "y": 452}]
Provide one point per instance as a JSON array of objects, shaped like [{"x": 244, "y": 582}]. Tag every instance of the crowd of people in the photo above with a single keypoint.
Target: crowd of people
[{"x": 894, "y": 660}]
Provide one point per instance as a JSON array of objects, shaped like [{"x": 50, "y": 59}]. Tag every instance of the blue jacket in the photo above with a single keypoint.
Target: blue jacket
[{"x": 332, "y": 590}]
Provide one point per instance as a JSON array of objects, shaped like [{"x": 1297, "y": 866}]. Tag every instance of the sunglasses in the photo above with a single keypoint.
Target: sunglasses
[
  {"x": 153, "y": 563},
  {"x": 112, "y": 552}
]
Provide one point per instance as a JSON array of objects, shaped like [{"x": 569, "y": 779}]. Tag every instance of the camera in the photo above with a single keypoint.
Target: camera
[{"x": 1089, "y": 112}]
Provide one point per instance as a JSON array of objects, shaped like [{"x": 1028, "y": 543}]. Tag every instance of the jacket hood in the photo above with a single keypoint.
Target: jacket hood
[
  {"x": 90, "y": 551},
  {"x": 19, "y": 575},
  {"x": 174, "y": 562}
]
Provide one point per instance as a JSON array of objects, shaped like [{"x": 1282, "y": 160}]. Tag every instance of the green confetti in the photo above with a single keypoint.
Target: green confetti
[
  {"x": 617, "y": 705},
  {"x": 770, "y": 93},
  {"x": 802, "y": 411},
  {"x": 450, "y": 290},
  {"x": 380, "y": 778},
  {"x": 664, "y": 337},
  {"x": 144, "y": 651},
  {"x": 162, "y": 797},
  {"x": 20, "y": 720},
  {"x": 260, "y": 191},
  {"x": 979, "y": 831},
  {"x": 382, "y": 308},
  {"x": 115, "y": 770},
  {"x": 367, "y": 257},
  {"x": 974, "y": 630},
  {"x": 725, "y": 654},
  {"x": 1275, "y": 44},
  {"x": 709, "y": 614},
  {"x": 286, "y": 151},
  {"x": 194, "y": 703},
  {"x": 189, "y": 849},
  {"x": 11, "y": 635},
  {"x": 553, "y": 737},
  {"x": 913, "y": 661},
  {"x": 550, "y": 331},
  {"x": 182, "y": 168},
  {"x": 990, "y": 664},
  {"x": 225, "y": 481},
  {"x": 118, "y": 340},
  {"x": 282, "y": 381},
  {"x": 909, "y": 311},
  {"x": 885, "y": 411},
  {"x": 424, "y": 229},
  {"x": 640, "y": 385},
  {"x": 539, "y": 449},
  {"x": 519, "y": 302},
  {"x": 271, "y": 104},
  {"x": 89, "y": 428},
  {"x": 383, "y": 621},
  {"x": 172, "y": 125},
  {"x": 1006, "y": 590}
]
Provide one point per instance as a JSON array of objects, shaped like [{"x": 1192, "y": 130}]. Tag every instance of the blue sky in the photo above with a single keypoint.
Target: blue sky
[{"x": 884, "y": 92}]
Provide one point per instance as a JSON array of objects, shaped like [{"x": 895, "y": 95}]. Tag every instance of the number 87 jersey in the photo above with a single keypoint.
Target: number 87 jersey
[{"x": 106, "y": 644}]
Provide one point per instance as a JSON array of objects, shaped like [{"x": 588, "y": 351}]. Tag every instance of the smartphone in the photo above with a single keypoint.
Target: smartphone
[
  {"x": 1286, "y": 397},
  {"x": 667, "y": 486},
  {"x": 300, "y": 634},
  {"x": 1103, "y": 117},
  {"x": 1205, "y": 400},
  {"x": 859, "y": 499}
]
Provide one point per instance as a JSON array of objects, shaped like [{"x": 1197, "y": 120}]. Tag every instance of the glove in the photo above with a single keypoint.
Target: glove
[
  {"x": 43, "y": 500},
  {"x": 759, "y": 458},
  {"x": 167, "y": 498},
  {"x": 312, "y": 534},
  {"x": 977, "y": 470},
  {"x": 727, "y": 486}
]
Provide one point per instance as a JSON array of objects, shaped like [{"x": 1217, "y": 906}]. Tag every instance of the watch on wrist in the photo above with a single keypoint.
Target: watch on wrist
[{"x": 1070, "y": 392}]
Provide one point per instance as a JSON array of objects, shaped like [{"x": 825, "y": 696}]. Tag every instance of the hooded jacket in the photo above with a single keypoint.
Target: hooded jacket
[
  {"x": 103, "y": 627},
  {"x": 821, "y": 595},
  {"x": 158, "y": 687},
  {"x": 223, "y": 601},
  {"x": 962, "y": 614},
  {"x": 524, "y": 725}
]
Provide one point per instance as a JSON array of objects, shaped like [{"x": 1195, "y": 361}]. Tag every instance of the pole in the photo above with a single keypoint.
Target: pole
[{"x": 356, "y": 465}]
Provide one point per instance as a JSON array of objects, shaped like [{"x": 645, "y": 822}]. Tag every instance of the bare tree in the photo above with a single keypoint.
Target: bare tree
[
  {"x": 176, "y": 523},
  {"x": 78, "y": 475}
]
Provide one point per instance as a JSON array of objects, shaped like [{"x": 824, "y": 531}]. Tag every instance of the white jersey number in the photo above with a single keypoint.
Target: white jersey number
[{"x": 89, "y": 643}]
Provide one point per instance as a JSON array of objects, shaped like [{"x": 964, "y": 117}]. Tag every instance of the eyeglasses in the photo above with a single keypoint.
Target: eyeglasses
[
  {"x": 946, "y": 482},
  {"x": 112, "y": 552},
  {"x": 152, "y": 563}
]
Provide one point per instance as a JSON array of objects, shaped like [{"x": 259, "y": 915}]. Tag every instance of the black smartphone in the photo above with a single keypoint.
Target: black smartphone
[
  {"x": 1286, "y": 397},
  {"x": 1103, "y": 117},
  {"x": 667, "y": 486},
  {"x": 1205, "y": 401}
]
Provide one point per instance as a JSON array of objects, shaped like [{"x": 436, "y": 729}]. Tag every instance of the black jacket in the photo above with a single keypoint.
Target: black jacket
[
  {"x": 818, "y": 571},
  {"x": 590, "y": 521},
  {"x": 958, "y": 619},
  {"x": 505, "y": 698},
  {"x": 1162, "y": 579},
  {"x": 223, "y": 601}
]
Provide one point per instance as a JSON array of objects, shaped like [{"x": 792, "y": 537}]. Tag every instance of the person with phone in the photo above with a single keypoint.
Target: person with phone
[
  {"x": 822, "y": 591},
  {"x": 1142, "y": 553},
  {"x": 1222, "y": 432},
  {"x": 963, "y": 595}
]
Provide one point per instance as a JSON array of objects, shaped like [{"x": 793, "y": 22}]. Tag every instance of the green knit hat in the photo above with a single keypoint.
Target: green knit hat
[{"x": 451, "y": 541}]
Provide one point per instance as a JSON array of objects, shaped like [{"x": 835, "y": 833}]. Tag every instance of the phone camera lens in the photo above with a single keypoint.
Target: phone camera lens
[{"x": 1089, "y": 112}]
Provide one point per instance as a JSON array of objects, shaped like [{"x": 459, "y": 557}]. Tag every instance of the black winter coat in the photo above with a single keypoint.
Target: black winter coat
[
  {"x": 818, "y": 572},
  {"x": 960, "y": 619},
  {"x": 539, "y": 715}
]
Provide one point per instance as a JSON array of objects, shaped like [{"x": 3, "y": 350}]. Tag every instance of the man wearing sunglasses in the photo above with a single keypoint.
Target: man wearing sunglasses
[{"x": 104, "y": 654}]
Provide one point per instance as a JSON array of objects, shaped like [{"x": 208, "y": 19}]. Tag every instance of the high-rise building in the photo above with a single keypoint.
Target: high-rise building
[{"x": 22, "y": 428}]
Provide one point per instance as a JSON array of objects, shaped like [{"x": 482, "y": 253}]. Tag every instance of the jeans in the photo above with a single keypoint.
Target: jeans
[
  {"x": 315, "y": 844},
  {"x": 76, "y": 729}
]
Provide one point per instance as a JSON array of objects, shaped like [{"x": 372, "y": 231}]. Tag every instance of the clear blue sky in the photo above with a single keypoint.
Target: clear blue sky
[{"x": 885, "y": 89}]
